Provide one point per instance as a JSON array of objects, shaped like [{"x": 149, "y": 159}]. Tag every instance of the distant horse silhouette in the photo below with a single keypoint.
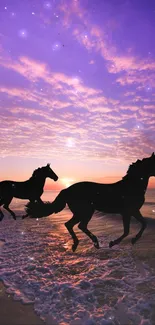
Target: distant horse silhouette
[
  {"x": 124, "y": 197},
  {"x": 32, "y": 189}
]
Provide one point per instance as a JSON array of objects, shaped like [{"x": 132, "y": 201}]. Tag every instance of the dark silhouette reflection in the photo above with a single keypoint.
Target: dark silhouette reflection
[
  {"x": 32, "y": 189},
  {"x": 124, "y": 197}
]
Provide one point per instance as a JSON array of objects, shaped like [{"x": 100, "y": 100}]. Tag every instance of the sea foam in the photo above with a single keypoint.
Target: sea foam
[{"x": 88, "y": 287}]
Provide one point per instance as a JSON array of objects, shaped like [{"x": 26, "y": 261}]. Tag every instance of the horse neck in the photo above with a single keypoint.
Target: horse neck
[
  {"x": 144, "y": 181},
  {"x": 139, "y": 182},
  {"x": 39, "y": 180}
]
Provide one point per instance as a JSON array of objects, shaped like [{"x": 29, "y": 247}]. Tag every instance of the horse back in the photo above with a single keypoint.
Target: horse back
[
  {"x": 21, "y": 190},
  {"x": 109, "y": 198}
]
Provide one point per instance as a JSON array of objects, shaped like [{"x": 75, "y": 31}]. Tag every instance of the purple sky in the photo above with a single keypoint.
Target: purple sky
[{"x": 77, "y": 85}]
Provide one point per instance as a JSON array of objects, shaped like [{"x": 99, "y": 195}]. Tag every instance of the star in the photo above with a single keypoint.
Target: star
[
  {"x": 23, "y": 33},
  {"x": 56, "y": 46},
  {"x": 139, "y": 126},
  {"x": 148, "y": 88},
  {"x": 47, "y": 5},
  {"x": 56, "y": 15}
]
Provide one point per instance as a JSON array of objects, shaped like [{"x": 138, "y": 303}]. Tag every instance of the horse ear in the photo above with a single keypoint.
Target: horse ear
[
  {"x": 48, "y": 165},
  {"x": 152, "y": 154}
]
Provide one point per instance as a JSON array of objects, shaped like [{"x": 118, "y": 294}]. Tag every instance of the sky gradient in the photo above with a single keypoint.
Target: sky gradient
[{"x": 77, "y": 81}]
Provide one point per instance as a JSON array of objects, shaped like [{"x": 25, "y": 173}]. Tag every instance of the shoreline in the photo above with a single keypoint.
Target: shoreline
[{"x": 14, "y": 312}]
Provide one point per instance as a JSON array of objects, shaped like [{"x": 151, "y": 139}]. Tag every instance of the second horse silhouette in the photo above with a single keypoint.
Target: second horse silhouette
[
  {"x": 32, "y": 189},
  {"x": 124, "y": 197}
]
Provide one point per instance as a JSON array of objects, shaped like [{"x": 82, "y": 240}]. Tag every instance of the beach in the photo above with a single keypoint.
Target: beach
[
  {"x": 46, "y": 282},
  {"x": 15, "y": 313},
  {"x": 77, "y": 133}
]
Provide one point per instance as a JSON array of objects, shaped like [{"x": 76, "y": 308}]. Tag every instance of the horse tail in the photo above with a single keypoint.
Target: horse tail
[
  {"x": 60, "y": 202},
  {"x": 40, "y": 209}
]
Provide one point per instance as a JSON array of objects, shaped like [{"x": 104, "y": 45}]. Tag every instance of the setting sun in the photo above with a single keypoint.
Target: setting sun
[{"x": 67, "y": 181}]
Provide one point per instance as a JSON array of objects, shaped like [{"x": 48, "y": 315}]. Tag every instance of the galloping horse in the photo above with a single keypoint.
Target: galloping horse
[
  {"x": 124, "y": 197},
  {"x": 32, "y": 189}
]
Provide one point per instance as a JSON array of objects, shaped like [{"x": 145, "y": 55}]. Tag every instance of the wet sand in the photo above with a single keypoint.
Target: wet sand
[
  {"x": 146, "y": 253},
  {"x": 15, "y": 313},
  {"x": 144, "y": 249}
]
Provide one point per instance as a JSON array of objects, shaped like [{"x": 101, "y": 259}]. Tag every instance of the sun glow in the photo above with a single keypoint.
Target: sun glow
[
  {"x": 67, "y": 181},
  {"x": 70, "y": 142}
]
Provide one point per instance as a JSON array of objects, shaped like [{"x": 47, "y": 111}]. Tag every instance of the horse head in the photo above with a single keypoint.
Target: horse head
[
  {"x": 50, "y": 173},
  {"x": 44, "y": 172},
  {"x": 140, "y": 168},
  {"x": 150, "y": 164}
]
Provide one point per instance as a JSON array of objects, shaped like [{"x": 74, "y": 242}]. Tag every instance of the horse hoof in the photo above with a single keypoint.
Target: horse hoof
[
  {"x": 111, "y": 244},
  {"x": 74, "y": 247},
  {"x": 133, "y": 241},
  {"x": 96, "y": 245},
  {"x": 23, "y": 217},
  {"x": 14, "y": 217}
]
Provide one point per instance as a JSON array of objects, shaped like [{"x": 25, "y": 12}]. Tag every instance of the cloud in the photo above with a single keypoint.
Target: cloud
[
  {"x": 133, "y": 68},
  {"x": 70, "y": 10},
  {"x": 43, "y": 121}
]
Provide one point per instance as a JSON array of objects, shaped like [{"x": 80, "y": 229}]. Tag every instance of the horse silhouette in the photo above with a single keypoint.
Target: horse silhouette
[
  {"x": 32, "y": 189},
  {"x": 124, "y": 197}
]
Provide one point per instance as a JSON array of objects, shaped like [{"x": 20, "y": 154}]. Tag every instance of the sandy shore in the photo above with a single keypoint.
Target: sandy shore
[{"x": 15, "y": 313}]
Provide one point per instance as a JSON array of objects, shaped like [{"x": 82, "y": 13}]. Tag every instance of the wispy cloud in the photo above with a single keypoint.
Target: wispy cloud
[
  {"x": 98, "y": 125},
  {"x": 134, "y": 68},
  {"x": 92, "y": 100}
]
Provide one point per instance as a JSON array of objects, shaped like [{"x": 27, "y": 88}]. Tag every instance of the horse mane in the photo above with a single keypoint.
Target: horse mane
[
  {"x": 135, "y": 168},
  {"x": 36, "y": 172}
]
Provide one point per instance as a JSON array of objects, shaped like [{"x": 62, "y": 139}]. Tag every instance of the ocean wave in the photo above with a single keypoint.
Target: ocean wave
[{"x": 100, "y": 287}]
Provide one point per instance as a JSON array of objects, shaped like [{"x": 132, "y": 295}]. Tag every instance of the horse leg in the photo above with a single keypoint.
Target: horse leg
[
  {"x": 6, "y": 207},
  {"x": 1, "y": 213},
  {"x": 83, "y": 226},
  {"x": 126, "y": 225},
  {"x": 69, "y": 225},
  {"x": 141, "y": 219},
  {"x": 25, "y": 216}
]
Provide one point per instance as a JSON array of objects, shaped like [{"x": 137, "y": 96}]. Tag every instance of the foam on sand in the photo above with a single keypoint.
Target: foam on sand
[{"x": 100, "y": 287}]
